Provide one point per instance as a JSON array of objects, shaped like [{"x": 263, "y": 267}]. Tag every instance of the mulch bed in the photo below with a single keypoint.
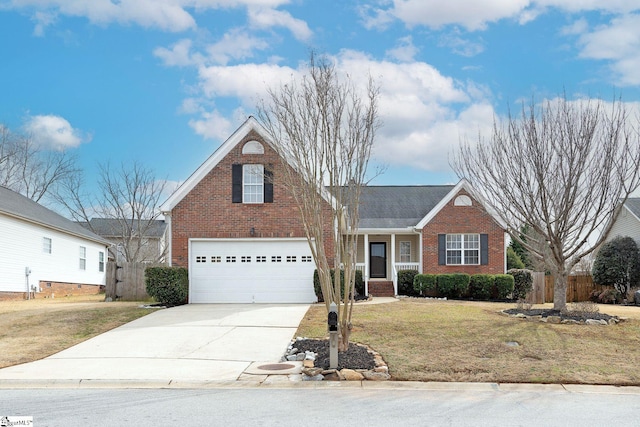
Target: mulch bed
[
  {"x": 356, "y": 356},
  {"x": 577, "y": 316}
]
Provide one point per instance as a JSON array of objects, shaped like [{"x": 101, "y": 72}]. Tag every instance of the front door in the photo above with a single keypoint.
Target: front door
[{"x": 378, "y": 260}]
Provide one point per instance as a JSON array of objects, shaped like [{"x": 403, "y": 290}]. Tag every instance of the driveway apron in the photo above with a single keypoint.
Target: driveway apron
[{"x": 189, "y": 343}]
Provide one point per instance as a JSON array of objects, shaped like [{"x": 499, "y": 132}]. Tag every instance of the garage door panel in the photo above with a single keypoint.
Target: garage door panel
[{"x": 245, "y": 271}]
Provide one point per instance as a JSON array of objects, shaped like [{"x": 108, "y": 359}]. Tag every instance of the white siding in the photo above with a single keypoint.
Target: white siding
[
  {"x": 21, "y": 246},
  {"x": 626, "y": 225}
]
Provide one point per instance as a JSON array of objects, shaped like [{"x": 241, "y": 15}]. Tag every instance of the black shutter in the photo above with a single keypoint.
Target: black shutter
[
  {"x": 236, "y": 183},
  {"x": 268, "y": 186},
  {"x": 484, "y": 249},
  {"x": 442, "y": 249}
]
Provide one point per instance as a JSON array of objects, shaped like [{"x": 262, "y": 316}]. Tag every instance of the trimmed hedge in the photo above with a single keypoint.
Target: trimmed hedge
[
  {"x": 504, "y": 284},
  {"x": 423, "y": 283},
  {"x": 481, "y": 286},
  {"x": 318, "y": 290},
  {"x": 453, "y": 285},
  {"x": 168, "y": 285},
  {"x": 405, "y": 282},
  {"x": 523, "y": 282}
]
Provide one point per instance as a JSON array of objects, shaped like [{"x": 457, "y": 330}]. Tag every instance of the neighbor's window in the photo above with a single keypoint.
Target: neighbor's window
[
  {"x": 463, "y": 249},
  {"x": 253, "y": 183},
  {"x": 405, "y": 251},
  {"x": 101, "y": 262},
  {"x": 46, "y": 245},
  {"x": 83, "y": 258}
]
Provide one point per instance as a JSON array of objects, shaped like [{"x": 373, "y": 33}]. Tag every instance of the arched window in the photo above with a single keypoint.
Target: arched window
[
  {"x": 462, "y": 200},
  {"x": 253, "y": 147}
]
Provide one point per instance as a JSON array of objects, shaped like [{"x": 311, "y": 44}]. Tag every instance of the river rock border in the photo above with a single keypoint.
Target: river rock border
[
  {"x": 614, "y": 320},
  {"x": 312, "y": 373}
]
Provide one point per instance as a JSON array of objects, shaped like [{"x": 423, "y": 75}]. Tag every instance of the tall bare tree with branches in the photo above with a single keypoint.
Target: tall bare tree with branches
[
  {"x": 560, "y": 168},
  {"x": 323, "y": 128},
  {"x": 129, "y": 197},
  {"x": 31, "y": 170}
]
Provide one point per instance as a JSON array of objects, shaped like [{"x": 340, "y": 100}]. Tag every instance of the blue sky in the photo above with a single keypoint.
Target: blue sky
[{"x": 165, "y": 82}]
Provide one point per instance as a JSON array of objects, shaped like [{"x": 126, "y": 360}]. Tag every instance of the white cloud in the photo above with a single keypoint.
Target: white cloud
[
  {"x": 619, "y": 43},
  {"x": 404, "y": 51},
  {"x": 459, "y": 45},
  {"x": 178, "y": 55},
  {"x": 212, "y": 125},
  {"x": 261, "y": 17},
  {"x": 53, "y": 132},
  {"x": 474, "y": 15},
  {"x": 167, "y": 15},
  {"x": 235, "y": 44}
]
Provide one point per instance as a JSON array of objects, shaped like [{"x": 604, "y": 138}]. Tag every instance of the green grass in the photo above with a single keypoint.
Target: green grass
[{"x": 426, "y": 340}]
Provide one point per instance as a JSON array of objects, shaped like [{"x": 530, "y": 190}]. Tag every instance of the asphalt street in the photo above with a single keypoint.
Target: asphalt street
[{"x": 324, "y": 406}]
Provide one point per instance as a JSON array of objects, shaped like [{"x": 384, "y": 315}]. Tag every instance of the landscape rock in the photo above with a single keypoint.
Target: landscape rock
[
  {"x": 312, "y": 372},
  {"x": 351, "y": 375},
  {"x": 376, "y": 376},
  {"x": 307, "y": 363},
  {"x": 318, "y": 377},
  {"x": 553, "y": 319},
  {"x": 596, "y": 322},
  {"x": 636, "y": 297}
]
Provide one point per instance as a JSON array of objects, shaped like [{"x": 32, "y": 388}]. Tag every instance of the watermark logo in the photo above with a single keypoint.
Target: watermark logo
[{"x": 16, "y": 421}]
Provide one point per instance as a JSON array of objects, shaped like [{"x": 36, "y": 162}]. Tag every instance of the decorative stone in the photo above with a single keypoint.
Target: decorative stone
[
  {"x": 334, "y": 376},
  {"x": 384, "y": 368},
  {"x": 300, "y": 357},
  {"x": 292, "y": 357},
  {"x": 596, "y": 322},
  {"x": 376, "y": 376},
  {"x": 308, "y": 363},
  {"x": 553, "y": 319},
  {"x": 351, "y": 375},
  {"x": 312, "y": 372},
  {"x": 318, "y": 377},
  {"x": 293, "y": 350},
  {"x": 570, "y": 322},
  {"x": 613, "y": 321},
  {"x": 520, "y": 316},
  {"x": 310, "y": 355}
]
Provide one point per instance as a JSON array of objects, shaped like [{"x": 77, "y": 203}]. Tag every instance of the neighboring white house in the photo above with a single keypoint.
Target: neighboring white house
[
  {"x": 628, "y": 221},
  {"x": 41, "y": 250}
]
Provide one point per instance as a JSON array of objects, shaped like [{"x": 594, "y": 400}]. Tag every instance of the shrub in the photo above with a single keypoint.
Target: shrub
[
  {"x": 359, "y": 283},
  {"x": 453, "y": 285},
  {"x": 425, "y": 283},
  {"x": 618, "y": 264},
  {"x": 481, "y": 286},
  {"x": 522, "y": 282},
  {"x": 405, "y": 282},
  {"x": 607, "y": 296},
  {"x": 168, "y": 285},
  {"x": 513, "y": 259},
  {"x": 504, "y": 284}
]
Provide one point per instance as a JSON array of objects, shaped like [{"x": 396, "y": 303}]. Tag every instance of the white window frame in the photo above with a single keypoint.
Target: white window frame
[
  {"x": 405, "y": 251},
  {"x": 463, "y": 249},
  {"x": 101, "y": 262},
  {"x": 253, "y": 183},
  {"x": 83, "y": 258},
  {"x": 46, "y": 245}
]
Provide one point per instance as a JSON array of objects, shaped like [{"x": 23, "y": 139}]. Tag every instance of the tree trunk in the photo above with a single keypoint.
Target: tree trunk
[{"x": 560, "y": 290}]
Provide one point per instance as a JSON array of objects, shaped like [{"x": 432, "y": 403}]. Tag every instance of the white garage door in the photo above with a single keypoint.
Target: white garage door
[{"x": 251, "y": 270}]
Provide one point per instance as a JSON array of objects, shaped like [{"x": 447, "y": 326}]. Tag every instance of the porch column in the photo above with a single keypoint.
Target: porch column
[
  {"x": 394, "y": 273},
  {"x": 420, "y": 258},
  {"x": 366, "y": 264}
]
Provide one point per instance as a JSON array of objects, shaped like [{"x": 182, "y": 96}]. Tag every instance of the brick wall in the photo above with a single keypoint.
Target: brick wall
[
  {"x": 463, "y": 219},
  {"x": 61, "y": 289},
  {"x": 207, "y": 211}
]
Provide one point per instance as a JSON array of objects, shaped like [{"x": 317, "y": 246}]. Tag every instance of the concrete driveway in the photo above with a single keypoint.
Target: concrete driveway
[{"x": 190, "y": 343}]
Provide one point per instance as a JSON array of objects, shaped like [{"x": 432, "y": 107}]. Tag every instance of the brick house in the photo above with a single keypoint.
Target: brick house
[{"x": 239, "y": 233}]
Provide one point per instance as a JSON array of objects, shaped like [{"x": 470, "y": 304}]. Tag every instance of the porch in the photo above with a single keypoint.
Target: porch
[{"x": 381, "y": 256}]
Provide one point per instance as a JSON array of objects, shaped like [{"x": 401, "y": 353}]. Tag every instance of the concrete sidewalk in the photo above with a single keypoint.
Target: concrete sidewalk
[{"x": 191, "y": 343}]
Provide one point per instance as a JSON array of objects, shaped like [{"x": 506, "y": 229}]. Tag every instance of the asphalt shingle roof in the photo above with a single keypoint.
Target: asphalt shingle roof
[
  {"x": 398, "y": 206},
  {"x": 633, "y": 204},
  {"x": 108, "y": 227},
  {"x": 17, "y": 205}
]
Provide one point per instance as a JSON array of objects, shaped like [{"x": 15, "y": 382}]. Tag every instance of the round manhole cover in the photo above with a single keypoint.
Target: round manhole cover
[{"x": 276, "y": 367}]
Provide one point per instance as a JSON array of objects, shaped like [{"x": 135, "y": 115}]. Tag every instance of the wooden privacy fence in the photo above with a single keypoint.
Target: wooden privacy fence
[
  {"x": 579, "y": 288},
  {"x": 125, "y": 281}
]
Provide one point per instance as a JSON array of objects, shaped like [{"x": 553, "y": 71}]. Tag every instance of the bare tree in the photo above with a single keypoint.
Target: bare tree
[
  {"x": 561, "y": 168},
  {"x": 324, "y": 129},
  {"x": 129, "y": 198},
  {"x": 31, "y": 170}
]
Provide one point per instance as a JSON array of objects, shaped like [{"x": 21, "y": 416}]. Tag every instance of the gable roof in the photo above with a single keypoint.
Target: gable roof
[
  {"x": 250, "y": 124},
  {"x": 633, "y": 205},
  {"x": 109, "y": 227},
  {"x": 18, "y": 206},
  {"x": 398, "y": 206}
]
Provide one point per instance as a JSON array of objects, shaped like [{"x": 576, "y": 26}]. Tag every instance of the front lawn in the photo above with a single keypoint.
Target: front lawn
[{"x": 430, "y": 340}]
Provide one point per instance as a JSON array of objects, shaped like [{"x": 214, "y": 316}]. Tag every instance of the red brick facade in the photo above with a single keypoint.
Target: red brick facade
[
  {"x": 472, "y": 219},
  {"x": 207, "y": 210}
]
